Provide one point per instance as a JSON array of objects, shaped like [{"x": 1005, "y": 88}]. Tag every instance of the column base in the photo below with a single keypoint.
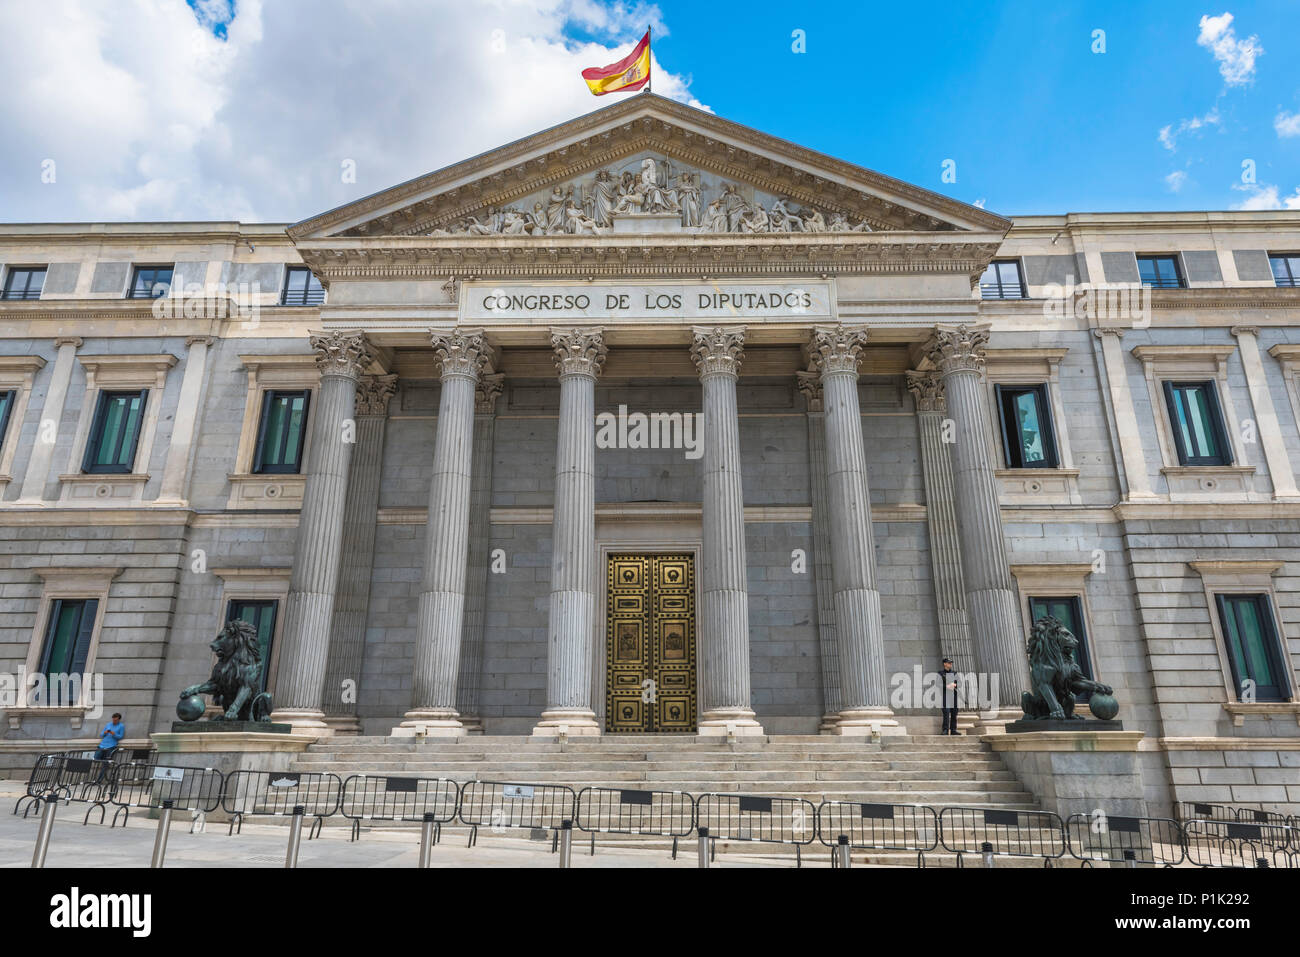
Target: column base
[
  {"x": 868, "y": 722},
  {"x": 830, "y": 721},
  {"x": 726, "y": 722},
  {"x": 472, "y": 724},
  {"x": 429, "y": 723},
  {"x": 304, "y": 720},
  {"x": 996, "y": 720},
  {"x": 966, "y": 721},
  {"x": 571, "y": 722},
  {"x": 343, "y": 724}
]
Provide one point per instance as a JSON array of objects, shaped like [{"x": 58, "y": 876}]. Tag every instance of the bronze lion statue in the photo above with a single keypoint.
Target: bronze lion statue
[
  {"x": 236, "y": 676},
  {"x": 1054, "y": 672}
]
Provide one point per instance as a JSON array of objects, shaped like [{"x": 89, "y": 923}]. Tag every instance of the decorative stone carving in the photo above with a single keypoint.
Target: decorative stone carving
[
  {"x": 837, "y": 348},
  {"x": 927, "y": 389},
  {"x": 578, "y": 351},
  {"x": 958, "y": 349},
  {"x": 810, "y": 384},
  {"x": 718, "y": 350},
  {"x": 373, "y": 393},
  {"x": 462, "y": 352},
  {"x": 488, "y": 390},
  {"x": 341, "y": 353}
]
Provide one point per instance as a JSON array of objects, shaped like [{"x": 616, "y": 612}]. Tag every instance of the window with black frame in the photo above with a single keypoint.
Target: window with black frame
[
  {"x": 260, "y": 613},
  {"x": 150, "y": 282},
  {"x": 24, "y": 282},
  {"x": 1197, "y": 422},
  {"x": 1027, "y": 436},
  {"x": 115, "y": 432},
  {"x": 302, "y": 288},
  {"x": 7, "y": 399},
  {"x": 1254, "y": 652},
  {"x": 1160, "y": 272},
  {"x": 1002, "y": 280},
  {"x": 1286, "y": 268},
  {"x": 66, "y": 648},
  {"x": 282, "y": 432},
  {"x": 1068, "y": 610}
]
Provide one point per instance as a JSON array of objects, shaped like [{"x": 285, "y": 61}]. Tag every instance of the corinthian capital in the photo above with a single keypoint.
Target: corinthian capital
[
  {"x": 341, "y": 353},
  {"x": 927, "y": 389},
  {"x": 487, "y": 392},
  {"x": 462, "y": 352},
  {"x": 810, "y": 384},
  {"x": 373, "y": 393},
  {"x": 578, "y": 351},
  {"x": 958, "y": 349},
  {"x": 837, "y": 348},
  {"x": 718, "y": 350}
]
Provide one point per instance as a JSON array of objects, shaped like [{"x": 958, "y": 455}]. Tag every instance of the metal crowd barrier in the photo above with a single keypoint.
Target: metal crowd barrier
[
  {"x": 277, "y": 793},
  {"x": 1186, "y": 811},
  {"x": 745, "y": 817},
  {"x": 43, "y": 778},
  {"x": 880, "y": 827},
  {"x": 197, "y": 790},
  {"x": 627, "y": 811},
  {"x": 965, "y": 830},
  {"x": 389, "y": 798},
  {"x": 1154, "y": 841},
  {"x": 504, "y": 804},
  {"x": 1234, "y": 844}
]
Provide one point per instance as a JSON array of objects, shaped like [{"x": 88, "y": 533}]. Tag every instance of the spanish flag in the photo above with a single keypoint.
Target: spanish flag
[{"x": 630, "y": 73}]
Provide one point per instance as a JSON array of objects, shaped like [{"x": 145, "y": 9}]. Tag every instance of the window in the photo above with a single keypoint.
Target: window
[
  {"x": 1253, "y": 649},
  {"x": 1160, "y": 272},
  {"x": 115, "y": 432},
  {"x": 27, "y": 282},
  {"x": 1286, "y": 268},
  {"x": 260, "y": 613},
  {"x": 67, "y": 644},
  {"x": 7, "y": 399},
  {"x": 1069, "y": 612},
  {"x": 283, "y": 429},
  {"x": 302, "y": 288},
  {"x": 1027, "y": 427},
  {"x": 1002, "y": 280},
  {"x": 1199, "y": 437},
  {"x": 150, "y": 282}
]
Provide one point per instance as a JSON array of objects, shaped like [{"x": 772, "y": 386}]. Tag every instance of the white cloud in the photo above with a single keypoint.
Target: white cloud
[
  {"x": 1176, "y": 180},
  {"x": 149, "y": 116},
  {"x": 1266, "y": 197},
  {"x": 1236, "y": 57},
  {"x": 1287, "y": 124},
  {"x": 1169, "y": 135}
]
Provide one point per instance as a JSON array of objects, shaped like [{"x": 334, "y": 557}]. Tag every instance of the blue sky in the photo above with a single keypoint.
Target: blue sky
[{"x": 208, "y": 109}]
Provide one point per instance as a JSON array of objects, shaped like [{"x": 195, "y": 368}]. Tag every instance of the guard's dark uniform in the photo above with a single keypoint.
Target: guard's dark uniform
[{"x": 949, "y": 701}]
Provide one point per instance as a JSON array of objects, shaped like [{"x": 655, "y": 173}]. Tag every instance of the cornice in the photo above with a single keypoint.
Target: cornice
[{"x": 1238, "y": 297}]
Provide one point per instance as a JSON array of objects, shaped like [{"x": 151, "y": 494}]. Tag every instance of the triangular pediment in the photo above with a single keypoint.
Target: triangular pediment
[{"x": 655, "y": 159}]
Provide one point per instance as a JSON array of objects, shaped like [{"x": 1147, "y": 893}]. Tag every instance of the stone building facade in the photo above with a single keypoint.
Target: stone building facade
[{"x": 881, "y": 427}]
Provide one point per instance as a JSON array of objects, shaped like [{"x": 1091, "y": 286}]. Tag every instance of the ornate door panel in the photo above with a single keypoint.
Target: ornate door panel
[{"x": 650, "y": 643}]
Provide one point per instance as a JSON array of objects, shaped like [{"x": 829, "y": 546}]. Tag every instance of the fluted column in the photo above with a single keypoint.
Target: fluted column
[
  {"x": 997, "y": 632},
  {"x": 810, "y": 384},
  {"x": 724, "y": 592},
  {"x": 835, "y": 352},
  {"x": 469, "y": 690},
  {"x": 463, "y": 354},
  {"x": 304, "y": 649},
  {"x": 941, "y": 521},
  {"x": 352, "y": 603},
  {"x": 579, "y": 356}
]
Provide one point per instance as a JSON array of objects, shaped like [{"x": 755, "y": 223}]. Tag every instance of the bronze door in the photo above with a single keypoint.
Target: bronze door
[{"x": 650, "y": 643}]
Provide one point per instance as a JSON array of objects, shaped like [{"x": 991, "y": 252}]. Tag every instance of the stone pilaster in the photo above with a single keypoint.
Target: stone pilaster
[
  {"x": 941, "y": 521},
  {"x": 56, "y": 396},
  {"x": 995, "y": 622},
  {"x": 463, "y": 354},
  {"x": 309, "y": 611},
  {"x": 809, "y": 383},
  {"x": 724, "y": 594},
  {"x": 579, "y": 356},
  {"x": 469, "y": 688},
  {"x": 835, "y": 352},
  {"x": 352, "y": 603},
  {"x": 172, "y": 490}
]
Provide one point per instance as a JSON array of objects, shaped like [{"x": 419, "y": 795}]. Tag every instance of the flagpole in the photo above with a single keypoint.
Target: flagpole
[{"x": 649, "y": 68}]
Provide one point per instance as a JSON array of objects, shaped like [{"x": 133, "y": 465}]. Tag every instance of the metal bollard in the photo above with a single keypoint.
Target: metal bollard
[
  {"x": 160, "y": 839},
  {"x": 566, "y": 843},
  {"x": 704, "y": 846},
  {"x": 1130, "y": 859},
  {"x": 295, "y": 837},
  {"x": 43, "y": 835},
  {"x": 986, "y": 849},
  {"x": 842, "y": 852},
  {"x": 426, "y": 838}
]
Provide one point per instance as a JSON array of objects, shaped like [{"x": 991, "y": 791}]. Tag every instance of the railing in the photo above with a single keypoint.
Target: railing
[
  {"x": 197, "y": 790},
  {"x": 503, "y": 804},
  {"x": 1001, "y": 290},
  {"x": 625, "y": 811},
  {"x": 1231, "y": 844},
  {"x": 748, "y": 817},
  {"x": 391, "y": 798},
  {"x": 967, "y": 830},
  {"x": 1185, "y": 811},
  {"x": 881, "y": 827},
  {"x": 1154, "y": 841},
  {"x": 277, "y": 793}
]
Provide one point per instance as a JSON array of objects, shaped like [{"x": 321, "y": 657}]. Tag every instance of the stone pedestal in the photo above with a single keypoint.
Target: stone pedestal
[{"x": 1077, "y": 772}]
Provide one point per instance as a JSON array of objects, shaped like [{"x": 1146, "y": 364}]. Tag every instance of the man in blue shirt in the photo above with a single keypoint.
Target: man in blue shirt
[{"x": 113, "y": 734}]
